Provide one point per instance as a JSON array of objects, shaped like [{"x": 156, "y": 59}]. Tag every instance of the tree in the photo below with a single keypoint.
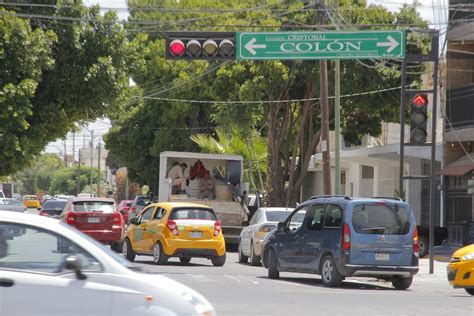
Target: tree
[
  {"x": 56, "y": 72},
  {"x": 64, "y": 181},
  {"x": 38, "y": 177}
]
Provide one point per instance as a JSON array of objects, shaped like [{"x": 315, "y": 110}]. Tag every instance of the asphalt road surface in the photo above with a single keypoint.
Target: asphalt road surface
[{"x": 240, "y": 289}]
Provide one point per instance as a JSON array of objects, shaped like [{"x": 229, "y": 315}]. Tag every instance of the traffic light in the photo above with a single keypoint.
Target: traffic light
[
  {"x": 200, "y": 45},
  {"x": 418, "y": 118}
]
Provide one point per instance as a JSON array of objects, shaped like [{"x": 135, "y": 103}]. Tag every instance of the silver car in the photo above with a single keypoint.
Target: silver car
[
  {"x": 263, "y": 221},
  {"x": 13, "y": 205},
  {"x": 64, "y": 272}
]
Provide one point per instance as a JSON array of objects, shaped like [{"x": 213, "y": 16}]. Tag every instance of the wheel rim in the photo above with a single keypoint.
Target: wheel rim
[
  {"x": 156, "y": 253},
  {"x": 125, "y": 249},
  {"x": 328, "y": 269},
  {"x": 422, "y": 246},
  {"x": 251, "y": 251}
]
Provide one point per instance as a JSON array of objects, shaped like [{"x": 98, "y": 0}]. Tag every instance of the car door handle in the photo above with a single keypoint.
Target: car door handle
[{"x": 6, "y": 282}]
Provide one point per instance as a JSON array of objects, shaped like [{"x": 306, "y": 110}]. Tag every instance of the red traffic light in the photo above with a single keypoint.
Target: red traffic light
[
  {"x": 177, "y": 47},
  {"x": 420, "y": 100}
]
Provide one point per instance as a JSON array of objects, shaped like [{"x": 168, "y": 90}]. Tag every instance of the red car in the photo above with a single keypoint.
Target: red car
[
  {"x": 98, "y": 218},
  {"x": 124, "y": 208}
]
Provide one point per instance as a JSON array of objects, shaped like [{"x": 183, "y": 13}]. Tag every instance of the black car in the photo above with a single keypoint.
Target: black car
[{"x": 53, "y": 208}]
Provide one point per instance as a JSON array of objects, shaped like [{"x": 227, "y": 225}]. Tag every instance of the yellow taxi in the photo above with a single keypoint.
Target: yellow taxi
[
  {"x": 175, "y": 229},
  {"x": 461, "y": 269},
  {"x": 31, "y": 201}
]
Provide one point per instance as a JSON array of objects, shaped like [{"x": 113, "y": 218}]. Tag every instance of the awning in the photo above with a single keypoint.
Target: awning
[{"x": 458, "y": 168}]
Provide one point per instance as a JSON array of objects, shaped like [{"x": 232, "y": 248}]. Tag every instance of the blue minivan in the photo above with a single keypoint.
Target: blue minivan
[{"x": 338, "y": 237}]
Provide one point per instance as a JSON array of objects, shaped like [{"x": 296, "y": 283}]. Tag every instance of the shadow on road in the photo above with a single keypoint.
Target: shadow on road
[
  {"x": 347, "y": 284},
  {"x": 173, "y": 263}
]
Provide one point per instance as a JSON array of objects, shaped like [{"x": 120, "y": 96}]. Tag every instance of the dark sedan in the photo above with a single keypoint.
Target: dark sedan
[{"x": 53, "y": 208}]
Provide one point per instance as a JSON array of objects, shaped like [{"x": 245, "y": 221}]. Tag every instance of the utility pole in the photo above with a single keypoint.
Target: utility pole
[
  {"x": 323, "y": 87},
  {"x": 92, "y": 158},
  {"x": 65, "y": 152},
  {"x": 337, "y": 116},
  {"x": 78, "y": 190},
  {"x": 98, "y": 166}
]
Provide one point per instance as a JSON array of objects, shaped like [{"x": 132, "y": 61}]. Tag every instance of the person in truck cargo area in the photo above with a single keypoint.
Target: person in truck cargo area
[
  {"x": 206, "y": 186},
  {"x": 178, "y": 180}
]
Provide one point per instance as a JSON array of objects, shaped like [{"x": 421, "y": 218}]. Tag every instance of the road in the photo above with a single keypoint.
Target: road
[{"x": 239, "y": 289}]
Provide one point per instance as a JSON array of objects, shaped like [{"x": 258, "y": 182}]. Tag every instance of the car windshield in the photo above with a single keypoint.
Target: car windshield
[
  {"x": 193, "y": 213},
  {"x": 93, "y": 206},
  {"x": 11, "y": 202},
  {"x": 277, "y": 216},
  {"x": 31, "y": 198},
  {"x": 381, "y": 219},
  {"x": 54, "y": 204}
]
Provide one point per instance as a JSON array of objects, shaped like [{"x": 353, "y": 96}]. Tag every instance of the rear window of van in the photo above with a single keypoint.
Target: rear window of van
[{"x": 381, "y": 219}]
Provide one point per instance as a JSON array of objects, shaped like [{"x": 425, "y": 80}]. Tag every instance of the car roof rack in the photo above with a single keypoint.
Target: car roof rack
[
  {"x": 330, "y": 196},
  {"x": 388, "y": 198}
]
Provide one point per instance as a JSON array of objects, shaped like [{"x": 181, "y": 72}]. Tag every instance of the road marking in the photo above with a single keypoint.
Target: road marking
[
  {"x": 200, "y": 277},
  {"x": 233, "y": 278}
]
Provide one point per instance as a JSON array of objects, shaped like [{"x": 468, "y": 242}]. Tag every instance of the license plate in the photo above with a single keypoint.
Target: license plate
[
  {"x": 93, "y": 220},
  {"x": 195, "y": 234},
  {"x": 382, "y": 256}
]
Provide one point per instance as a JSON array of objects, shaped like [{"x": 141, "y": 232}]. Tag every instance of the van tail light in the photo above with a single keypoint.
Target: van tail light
[
  {"x": 71, "y": 218},
  {"x": 416, "y": 244},
  {"x": 43, "y": 213},
  {"x": 173, "y": 227},
  {"x": 217, "y": 228},
  {"x": 346, "y": 238},
  {"x": 117, "y": 218}
]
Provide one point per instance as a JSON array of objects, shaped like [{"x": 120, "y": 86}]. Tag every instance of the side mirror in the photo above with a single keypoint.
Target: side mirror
[
  {"x": 281, "y": 226},
  {"x": 77, "y": 263},
  {"x": 135, "y": 221}
]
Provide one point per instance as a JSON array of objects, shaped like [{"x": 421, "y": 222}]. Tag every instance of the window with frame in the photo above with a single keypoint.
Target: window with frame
[
  {"x": 146, "y": 215},
  {"x": 29, "y": 248},
  {"x": 333, "y": 216},
  {"x": 160, "y": 212},
  {"x": 367, "y": 172},
  {"x": 296, "y": 220},
  {"x": 316, "y": 217}
]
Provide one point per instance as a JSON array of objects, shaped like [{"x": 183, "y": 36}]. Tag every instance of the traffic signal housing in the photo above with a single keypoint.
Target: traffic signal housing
[
  {"x": 418, "y": 118},
  {"x": 200, "y": 45}
]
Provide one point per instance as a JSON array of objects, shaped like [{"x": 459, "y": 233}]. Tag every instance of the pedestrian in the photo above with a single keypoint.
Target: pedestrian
[
  {"x": 206, "y": 186},
  {"x": 178, "y": 180}
]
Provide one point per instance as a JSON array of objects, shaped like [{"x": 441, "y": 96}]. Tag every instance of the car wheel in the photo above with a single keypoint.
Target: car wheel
[
  {"x": 254, "y": 259},
  {"x": 159, "y": 256},
  {"x": 470, "y": 291},
  {"x": 218, "y": 261},
  {"x": 117, "y": 246},
  {"x": 127, "y": 250},
  {"x": 401, "y": 283},
  {"x": 273, "y": 272},
  {"x": 185, "y": 260},
  {"x": 424, "y": 246},
  {"x": 242, "y": 258},
  {"x": 330, "y": 276}
]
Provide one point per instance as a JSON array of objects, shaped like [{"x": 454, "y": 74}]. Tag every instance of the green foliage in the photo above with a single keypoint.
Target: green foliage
[
  {"x": 64, "y": 181},
  {"x": 39, "y": 176},
  {"x": 57, "y": 73}
]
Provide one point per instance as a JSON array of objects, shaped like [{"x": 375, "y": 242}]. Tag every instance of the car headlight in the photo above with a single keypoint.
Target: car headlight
[
  {"x": 201, "y": 306},
  {"x": 469, "y": 256}
]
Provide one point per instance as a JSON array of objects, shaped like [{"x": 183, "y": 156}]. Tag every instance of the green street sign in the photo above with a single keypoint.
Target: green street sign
[{"x": 320, "y": 45}]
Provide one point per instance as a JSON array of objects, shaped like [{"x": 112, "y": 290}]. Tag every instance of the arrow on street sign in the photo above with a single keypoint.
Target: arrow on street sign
[
  {"x": 391, "y": 44},
  {"x": 250, "y": 46}
]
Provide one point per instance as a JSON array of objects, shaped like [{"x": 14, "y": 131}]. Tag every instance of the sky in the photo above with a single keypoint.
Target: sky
[{"x": 434, "y": 11}]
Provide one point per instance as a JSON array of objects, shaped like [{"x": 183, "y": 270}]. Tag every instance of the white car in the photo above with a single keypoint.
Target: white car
[
  {"x": 48, "y": 268},
  {"x": 13, "y": 205},
  {"x": 263, "y": 221}
]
